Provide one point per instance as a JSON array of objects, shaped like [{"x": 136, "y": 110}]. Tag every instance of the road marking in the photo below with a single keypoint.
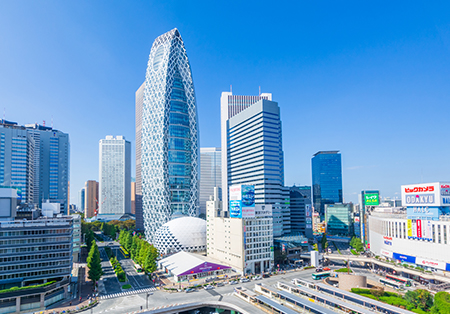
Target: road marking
[{"x": 116, "y": 295}]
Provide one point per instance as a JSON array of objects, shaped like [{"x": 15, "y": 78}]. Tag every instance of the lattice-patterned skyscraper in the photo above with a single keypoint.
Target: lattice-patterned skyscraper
[{"x": 170, "y": 143}]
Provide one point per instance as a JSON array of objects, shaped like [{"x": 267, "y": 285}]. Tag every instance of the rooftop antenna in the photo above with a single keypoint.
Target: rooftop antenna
[
  {"x": 231, "y": 88},
  {"x": 260, "y": 91},
  {"x": 4, "y": 114},
  {"x": 44, "y": 122}
]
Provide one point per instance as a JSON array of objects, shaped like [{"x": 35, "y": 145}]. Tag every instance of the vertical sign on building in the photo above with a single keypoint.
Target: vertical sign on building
[
  {"x": 242, "y": 201},
  {"x": 414, "y": 227},
  {"x": 409, "y": 228},
  {"x": 419, "y": 228}
]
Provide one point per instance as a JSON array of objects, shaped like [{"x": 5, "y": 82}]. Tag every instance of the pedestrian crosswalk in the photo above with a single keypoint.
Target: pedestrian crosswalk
[{"x": 121, "y": 294}]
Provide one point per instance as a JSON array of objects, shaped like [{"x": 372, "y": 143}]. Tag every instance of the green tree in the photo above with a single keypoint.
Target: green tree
[
  {"x": 133, "y": 248},
  {"x": 323, "y": 240},
  {"x": 441, "y": 303},
  {"x": 326, "y": 246},
  {"x": 94, "y": 263},
  {"x": 89, "y": 237},
  {"x": 315, "y": 247},
  {"x": 424, "y": 299},
  {"x": 377, "y": 292},
  {"x": 128, "y": 241},
  {"x": 150, "y": 261}
]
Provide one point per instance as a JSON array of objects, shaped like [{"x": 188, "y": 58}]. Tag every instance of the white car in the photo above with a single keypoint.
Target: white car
[
  {"x": 244, "y": 280},
  {"x": 209, "y": 287},
  {"x": 233, "y": 282}
]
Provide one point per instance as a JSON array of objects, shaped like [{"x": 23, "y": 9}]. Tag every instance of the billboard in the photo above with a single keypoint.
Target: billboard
[
  {"x": 404, "y": 258},
  {"x": 428, "y": 194},
  {"x": 371, "y": 199},
  {"x": 430, "y": 263},
  {"x": 422, "y": 212},
  {"x": 242, "y": 201}
]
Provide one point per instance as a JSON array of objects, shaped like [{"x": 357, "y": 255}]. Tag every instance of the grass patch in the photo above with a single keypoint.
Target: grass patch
[
  {"x": 127, "y": 286},
  {"x": 344, "y": 270}
]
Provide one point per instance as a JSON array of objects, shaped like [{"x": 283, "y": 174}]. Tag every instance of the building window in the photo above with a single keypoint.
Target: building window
[
  {"x": 439, "y": 233},
  {"x": 445, "y": 233},
  {"x": 434, "y": 234}
]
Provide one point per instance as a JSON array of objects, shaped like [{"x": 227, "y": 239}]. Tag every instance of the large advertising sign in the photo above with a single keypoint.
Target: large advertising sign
[
  {"x": 430, "y": 263},
  {"x": 419, "y": 229},
  {"x": 404, "y": 258},
  {"x": 242, "y": 201},
  {"x": 371, "y": 199},
  {"x": 428, "y": 194},
  {"x": 386, "y": 253},
  {"x": 422, "y": 212}
]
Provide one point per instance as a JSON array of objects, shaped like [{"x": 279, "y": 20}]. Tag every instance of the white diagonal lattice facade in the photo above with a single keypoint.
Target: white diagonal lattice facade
[{"x": 170, "y": 148}]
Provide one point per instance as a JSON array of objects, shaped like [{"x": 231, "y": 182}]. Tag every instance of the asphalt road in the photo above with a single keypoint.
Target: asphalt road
[
  {"x": 127, "y": 304},
  {"x": 112, "y": 285}
]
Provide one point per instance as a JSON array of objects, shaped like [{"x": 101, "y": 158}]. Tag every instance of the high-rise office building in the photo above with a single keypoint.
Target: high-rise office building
[
  {"x": 35, "y": 160},
  {"x": 82, "y": 200},
  {"x": 301, "y": 211},
  {"x": 252, "y": 153},
  {"x": 91, "y": 198},
  {"x": 326, "y": 179},
  {"x": 338, "y": 218},
  {"x": 170, "y": 143},
  {"x": 139, "y": 101},
  {"x": 115, "y": 176},
  {"x": 210, "y": 175}
]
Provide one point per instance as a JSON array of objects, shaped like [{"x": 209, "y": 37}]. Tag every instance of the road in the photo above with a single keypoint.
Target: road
[
  {"x": 112, "y": 285},
  {"x": 133, "y": 303}
]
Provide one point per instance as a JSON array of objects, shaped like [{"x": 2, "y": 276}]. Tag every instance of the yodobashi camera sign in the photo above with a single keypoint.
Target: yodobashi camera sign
[
  {"x": 242, "y": 201},
  {"x": 428, "y": 194}
]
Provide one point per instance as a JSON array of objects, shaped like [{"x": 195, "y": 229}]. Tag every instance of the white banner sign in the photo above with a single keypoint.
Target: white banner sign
[
  {"x": 386, "y": 253},
  {"x": 430, "y": 263}
]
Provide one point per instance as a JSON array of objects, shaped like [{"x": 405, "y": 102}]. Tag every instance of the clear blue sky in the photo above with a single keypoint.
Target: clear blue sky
[{"x": 370, "y": 79}]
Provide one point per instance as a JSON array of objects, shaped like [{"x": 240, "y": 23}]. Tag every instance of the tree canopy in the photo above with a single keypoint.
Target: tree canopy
[{"x": 94, "y": 263}]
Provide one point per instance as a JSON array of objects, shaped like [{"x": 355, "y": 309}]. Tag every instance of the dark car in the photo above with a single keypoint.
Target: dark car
[{"x": 319, "y": 269}]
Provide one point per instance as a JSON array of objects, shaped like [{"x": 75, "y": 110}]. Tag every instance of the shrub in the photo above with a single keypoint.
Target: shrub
[
  {"x": 354, "y": 252},
  {"x": 343, "y": 270},
  {"x": 441, "y": 303},
  {"x": 360, "y": 290},
  {"x": 127, "y": 286},
  {"x": 307, "y": 267}
]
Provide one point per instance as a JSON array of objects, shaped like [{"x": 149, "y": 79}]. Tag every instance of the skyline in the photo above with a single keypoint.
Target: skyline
[{"x": 74, "y": 62}]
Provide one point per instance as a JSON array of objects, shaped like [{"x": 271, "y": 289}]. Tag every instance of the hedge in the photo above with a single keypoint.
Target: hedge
[{"x": 27, "y": 287}]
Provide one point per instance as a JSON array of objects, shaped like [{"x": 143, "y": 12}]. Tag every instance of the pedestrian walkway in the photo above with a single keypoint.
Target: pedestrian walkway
[{"x": 116, "y": 295}]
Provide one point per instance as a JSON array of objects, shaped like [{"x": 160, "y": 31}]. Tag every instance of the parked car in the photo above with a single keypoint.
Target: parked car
[
  {"x": 233, "y": 282},
  {"x": 319, "y": 269},
  {"x": 257, "y": 278},
  {"x": 326, "y": 268},
  {"x": 220, "y": 284},
  {"x": 189, "y": 290},
  {"x": 244, "y": 280},
  {"x": 266, "y": 276},
  {"x": 209, "y": 287}
]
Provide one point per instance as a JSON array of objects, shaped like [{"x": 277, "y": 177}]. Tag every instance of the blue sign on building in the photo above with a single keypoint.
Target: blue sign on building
[
  {"x": 235, "y": 209},
  {"x": 404, "y": 258},
  {"x": 423, "y": 212}
]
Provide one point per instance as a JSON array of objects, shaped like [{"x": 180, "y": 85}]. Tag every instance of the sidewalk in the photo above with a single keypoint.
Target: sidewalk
[{"x": 85, "y": 289}]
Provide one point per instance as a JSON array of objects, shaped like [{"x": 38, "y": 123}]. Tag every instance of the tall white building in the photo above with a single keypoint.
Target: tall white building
[
  {"x": 210, "y": 174},
  {"x": 246, "y": 244},
  {"x": 115, "y": 175},
  {"x": 252, "y": 153}
]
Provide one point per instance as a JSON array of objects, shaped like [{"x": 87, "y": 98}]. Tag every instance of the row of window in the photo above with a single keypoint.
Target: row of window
[
  {"x": 33, "y": 240},
  {"x": 34, "y": 257},
  {"x": 427, "y": 231},
  {"x": 25, "y": 267},
  {"x": 36, "y": 249},
  {"x": 44, "y": 273},
  {"x": 33, "y": 232}
]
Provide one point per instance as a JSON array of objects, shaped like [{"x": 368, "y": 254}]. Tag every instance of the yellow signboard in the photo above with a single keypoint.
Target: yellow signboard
[{"x": 409, "y": 224}]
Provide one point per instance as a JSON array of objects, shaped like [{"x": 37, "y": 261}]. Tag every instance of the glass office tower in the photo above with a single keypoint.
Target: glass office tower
[
  {"x": 170, "y": 144},
  {"x": 326, "y": 179},
  {"x": 254, "y": 154}
]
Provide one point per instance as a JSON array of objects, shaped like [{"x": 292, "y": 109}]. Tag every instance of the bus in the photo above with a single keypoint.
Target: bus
[
  {"x": 405, "y": 282},
  {"x": 390, "y": 283},
  {"x": 319, "y": 276},
  {"x": 124, "y": 252}
]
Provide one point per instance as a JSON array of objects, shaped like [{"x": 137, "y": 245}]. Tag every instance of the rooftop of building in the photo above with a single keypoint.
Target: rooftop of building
[
  {"x": 325, "y": 152},
  {"x": 34, "y": 126}
]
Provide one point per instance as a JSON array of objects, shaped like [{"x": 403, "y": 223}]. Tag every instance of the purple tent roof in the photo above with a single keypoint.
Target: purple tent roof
[{"x": 204, "y": 267}]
